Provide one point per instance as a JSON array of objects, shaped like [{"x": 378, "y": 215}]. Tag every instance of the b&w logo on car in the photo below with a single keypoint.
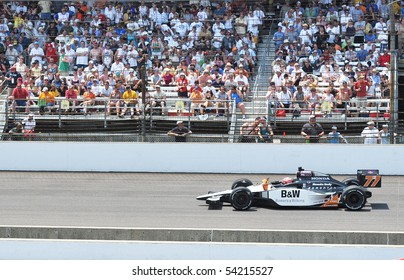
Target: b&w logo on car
[{"x": 290, "y": 194}]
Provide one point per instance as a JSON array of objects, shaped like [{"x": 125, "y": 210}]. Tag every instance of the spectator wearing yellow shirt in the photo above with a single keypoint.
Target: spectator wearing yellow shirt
[
  {"x": 131, "y": 100},
  {"x": 53, "y": 90},
  {"x": 46, "y": 100},
  {"x": 18, "y": 20}
]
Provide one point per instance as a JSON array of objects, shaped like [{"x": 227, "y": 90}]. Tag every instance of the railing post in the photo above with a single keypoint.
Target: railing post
[
  {"x": 151, "y": 113},
  {"x": 60, "y": 114},
  {"x": 105, "y": 114},
  {"x": 346, "y": 114},
  {"x": 189, "y": 114}
]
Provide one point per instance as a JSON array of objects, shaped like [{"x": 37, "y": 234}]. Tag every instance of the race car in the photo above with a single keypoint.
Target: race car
[{"x": 309, "y": 189}]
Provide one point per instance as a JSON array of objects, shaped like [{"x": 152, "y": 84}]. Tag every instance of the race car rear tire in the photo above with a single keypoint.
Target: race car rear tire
[
  {"x": 241, "y": 198},
  {"x": 354, "y": 198},
  {"x": 243, "y": 182}
]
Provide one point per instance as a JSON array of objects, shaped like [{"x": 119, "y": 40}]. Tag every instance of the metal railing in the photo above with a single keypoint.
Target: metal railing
[{"x": 377, "y": 110}]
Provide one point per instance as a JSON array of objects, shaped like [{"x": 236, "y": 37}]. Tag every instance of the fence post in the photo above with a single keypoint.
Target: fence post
[
  {"x": 60, "y": 114},
  {"x": 189, "y": 114},
  {"x": 105, "y": 114}
]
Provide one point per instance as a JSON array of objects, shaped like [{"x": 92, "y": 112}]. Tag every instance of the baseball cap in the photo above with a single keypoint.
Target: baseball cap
[
  {"x": 312, "y": 117},
  {"x": 385, "y": 125},
  {"x": 333, "y": 127},
  {"x": 178, "y": 122},
  {"x": 370, "y": 123}
]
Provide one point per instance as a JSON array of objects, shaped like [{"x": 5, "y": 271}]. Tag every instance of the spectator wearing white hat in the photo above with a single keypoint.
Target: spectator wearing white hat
[
  {"x": 180, "y": 132},
  {"x": 37, "y": 53},
  {"x": 334, "y": 137},
  {"x": 11, "y": 54},
  {"x": 45, "y": 100},
  {"x": 370, "y": 133},
  {"x": 384, "y": 135},
  {"x": 29, "y": 124}
]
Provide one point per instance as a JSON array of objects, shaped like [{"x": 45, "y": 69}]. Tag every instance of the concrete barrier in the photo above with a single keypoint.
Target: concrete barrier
[
  {"x": 199, "y": 157},
  {"x": 204, "y": 235}
]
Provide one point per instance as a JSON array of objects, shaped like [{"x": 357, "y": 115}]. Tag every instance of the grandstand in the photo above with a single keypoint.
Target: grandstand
[{"x": 208, "y": 126}]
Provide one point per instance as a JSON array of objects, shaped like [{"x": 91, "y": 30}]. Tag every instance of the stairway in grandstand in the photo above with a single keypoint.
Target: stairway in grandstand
[{"x": 260, "y": 82}]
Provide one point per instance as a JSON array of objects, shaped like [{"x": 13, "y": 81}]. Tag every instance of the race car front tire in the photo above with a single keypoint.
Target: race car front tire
[
  {"x": 354, "y": 198},
  {"x": 243, "y": 182},
  {"x": 241, "y": 199}
]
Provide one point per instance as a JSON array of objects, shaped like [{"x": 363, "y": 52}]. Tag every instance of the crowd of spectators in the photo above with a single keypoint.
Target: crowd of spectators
[
  {"x": 328, "y": 52},
  {"x": 81, "y": 50}
]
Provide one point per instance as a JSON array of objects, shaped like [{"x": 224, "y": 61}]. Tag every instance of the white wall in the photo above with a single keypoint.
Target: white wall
[
  {"x": 34, "y": 249},
  {"x": 200, "y": 157}
]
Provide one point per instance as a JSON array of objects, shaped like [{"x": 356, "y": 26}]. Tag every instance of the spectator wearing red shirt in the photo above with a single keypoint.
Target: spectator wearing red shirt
[
  {"x": 20, "y": 97},
  {"x": 384, "y": 58},
  {"x": 167, "y": 77},
  {"x": 182, "y": 84},
  {"x": 51, "y": 52},
  {"x": 360, "y": 88},
  {"x": 71, "y": 95}
]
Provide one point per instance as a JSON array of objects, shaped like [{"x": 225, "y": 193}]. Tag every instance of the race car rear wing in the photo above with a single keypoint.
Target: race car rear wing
[{"x": 369, "y": 178}]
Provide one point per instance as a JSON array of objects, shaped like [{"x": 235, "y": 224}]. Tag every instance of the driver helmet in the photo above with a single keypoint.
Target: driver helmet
[{"x": 287, "y": 180}]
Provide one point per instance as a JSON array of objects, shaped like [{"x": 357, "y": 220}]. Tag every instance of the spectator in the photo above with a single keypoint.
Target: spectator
[
  {"x": 37, "y": 53},
  {"x": 182, "y": 84},
  {"x": 71, "y": 96},
  {"x": 21, "y": 67},
  {"x": 11, "y": 54},
  {"x": 180, "y": 132},
  {"x": 197, "y": 99},
  {"x": 249, "y": 131},
  {"x": 88, "y": 100},
  {"x": 327, "y": 103},
  {"x": 159, "y": 99},
  {"x": 237, "y": 96},
  {"x": 370, "y": 133},
  {"x": 29, "y": 124},
  {"x": 12, "y": 77},
  {"x": 334, "y": 137},
  {"x": 64, "y": 65},
  {"x": 265, "y": 132},
  {"x": 17, "y": 133},
  {"x": 20, "y": 97},
  {"x": 131, "y": 100},
  {"x": 279, "y": 37},
  {"x": 312, "y": 131},
  {"x": 360, "y": 87},
  {"x": 384, "y": 134},
  {"x": 46, "y": 100},
  {"x": 114, "y": 102}
]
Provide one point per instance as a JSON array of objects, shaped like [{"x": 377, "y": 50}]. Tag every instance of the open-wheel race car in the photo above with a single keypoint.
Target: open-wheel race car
[{"x": 309, "y": 189}]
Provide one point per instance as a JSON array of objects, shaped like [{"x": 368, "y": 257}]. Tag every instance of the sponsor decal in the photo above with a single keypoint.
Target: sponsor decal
[
  {"x": 290, "y": 194},
  {"x": 320, "y": 178}
]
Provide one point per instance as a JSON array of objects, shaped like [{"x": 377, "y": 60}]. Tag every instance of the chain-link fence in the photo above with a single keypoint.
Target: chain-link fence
[{"x": 164, "y": 138}]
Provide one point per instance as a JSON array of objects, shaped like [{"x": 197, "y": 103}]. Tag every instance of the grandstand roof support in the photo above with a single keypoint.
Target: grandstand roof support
[{"x": 393, "y": 73}]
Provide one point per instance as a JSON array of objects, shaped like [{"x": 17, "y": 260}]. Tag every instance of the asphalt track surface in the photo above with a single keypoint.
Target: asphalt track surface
[{"x": 150, "y": 200}]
